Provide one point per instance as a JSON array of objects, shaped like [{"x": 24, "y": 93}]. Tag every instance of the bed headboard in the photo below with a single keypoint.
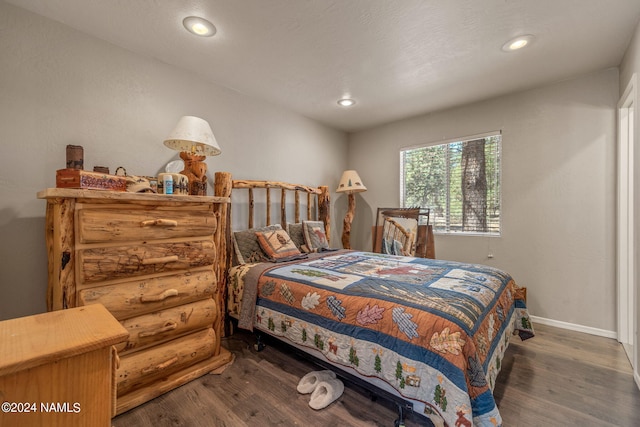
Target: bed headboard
[{"x": 316, "y": 200}]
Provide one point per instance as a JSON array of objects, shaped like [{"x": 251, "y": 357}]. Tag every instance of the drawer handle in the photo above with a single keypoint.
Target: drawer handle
[
  {"x": 164, "y": 365},
  {"x": 160, "y": 297},
  {"x": 161, "y": 260},
  {"x": 159, "y": 222},
  {"x": 170, "y": 326}
]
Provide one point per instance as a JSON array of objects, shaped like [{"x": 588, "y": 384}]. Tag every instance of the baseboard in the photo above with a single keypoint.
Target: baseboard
[
  {"x": 636, "y": 376},
  {"x": 574, "y": 327}
]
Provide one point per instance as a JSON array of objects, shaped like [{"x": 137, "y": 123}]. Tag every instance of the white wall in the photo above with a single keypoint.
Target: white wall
[
  {"x": 630, "y": 65},
  {"x": 558, "y": 203},
  {"x": 59, "y": 87}
]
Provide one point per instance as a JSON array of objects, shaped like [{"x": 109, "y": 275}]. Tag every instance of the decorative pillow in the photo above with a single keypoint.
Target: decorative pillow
[
  {"x": 276, "y": 244},
  {"x": 315, "y": 236},
  {"x": 296, "y": 234},
  {"x": 247, "y": 247}
]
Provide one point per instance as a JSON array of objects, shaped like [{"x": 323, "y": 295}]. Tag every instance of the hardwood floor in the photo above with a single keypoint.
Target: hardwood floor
[{"x": 557, "y": 378}]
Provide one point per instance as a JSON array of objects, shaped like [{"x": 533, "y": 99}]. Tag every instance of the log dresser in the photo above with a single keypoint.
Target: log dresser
[{"x": 151, "y": 260}]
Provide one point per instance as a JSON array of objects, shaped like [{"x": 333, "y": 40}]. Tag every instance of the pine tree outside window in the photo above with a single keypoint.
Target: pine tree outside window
[{"x": 459, "y": 181}]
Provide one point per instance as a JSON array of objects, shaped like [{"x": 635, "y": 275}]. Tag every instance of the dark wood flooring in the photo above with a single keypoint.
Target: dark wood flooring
[{"x": 558, "y": 378}]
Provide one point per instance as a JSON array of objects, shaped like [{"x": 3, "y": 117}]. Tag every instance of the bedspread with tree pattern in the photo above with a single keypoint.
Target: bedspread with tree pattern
[{"x": 434, "y": 331}]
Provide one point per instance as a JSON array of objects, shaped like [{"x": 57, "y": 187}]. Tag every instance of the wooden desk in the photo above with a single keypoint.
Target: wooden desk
[{"x": 58, "y": 368}]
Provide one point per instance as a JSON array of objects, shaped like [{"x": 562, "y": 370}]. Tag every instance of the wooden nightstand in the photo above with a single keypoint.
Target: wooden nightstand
[{"x": 57, "y": 369}]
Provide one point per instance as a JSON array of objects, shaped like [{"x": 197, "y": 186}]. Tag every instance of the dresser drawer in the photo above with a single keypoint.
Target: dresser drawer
[
  {"x": 143, "y": 367},
  {"x": 109, "y": 225},
  {"x": 138, "y": 297},
  {"x": 154, "y": 328},
  {"x": 121, "y": 262}
]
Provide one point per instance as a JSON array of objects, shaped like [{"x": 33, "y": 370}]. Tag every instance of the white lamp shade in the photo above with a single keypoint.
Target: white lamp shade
[
  {"x": 350, "y": 183},
  {"x": 193, "y": 135}
]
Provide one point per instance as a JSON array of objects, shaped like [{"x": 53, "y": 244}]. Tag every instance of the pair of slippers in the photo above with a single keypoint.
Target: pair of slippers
[{"x": 324, "y": 387}]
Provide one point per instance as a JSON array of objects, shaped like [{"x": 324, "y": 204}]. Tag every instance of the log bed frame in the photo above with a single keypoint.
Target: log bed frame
[{"x": 317, "y": 208}]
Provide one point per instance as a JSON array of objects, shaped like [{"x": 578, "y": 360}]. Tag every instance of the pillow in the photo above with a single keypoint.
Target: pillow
[
  {"x": 277, "y": 244},
  {"x": 315, "y": 236},
  {"x": 296, "y": 234},
  {"x": 247, "y": 247}
]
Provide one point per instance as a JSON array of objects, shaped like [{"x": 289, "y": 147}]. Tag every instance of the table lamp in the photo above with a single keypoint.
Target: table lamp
[
  {"x": 193, "y": 137},
  {"x": 350, "y": 183}
]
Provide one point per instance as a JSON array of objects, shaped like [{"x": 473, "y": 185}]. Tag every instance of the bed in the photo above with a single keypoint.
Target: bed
[{"x": 432, "y": 333}]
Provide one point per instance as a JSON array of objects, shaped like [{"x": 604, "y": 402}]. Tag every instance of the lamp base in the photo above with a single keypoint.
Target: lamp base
[
  {"x": 348, "y": 218},
  {"x": 195, "y": 170}
]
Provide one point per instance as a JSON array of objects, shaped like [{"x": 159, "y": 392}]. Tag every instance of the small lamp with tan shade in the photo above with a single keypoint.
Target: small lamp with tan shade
[
  {"x": 193, "y": 137},
  {"x": 350, "y": 183}
]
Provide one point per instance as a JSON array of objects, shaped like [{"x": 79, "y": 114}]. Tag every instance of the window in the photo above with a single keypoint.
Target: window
[{"x": 459, "y": 181}]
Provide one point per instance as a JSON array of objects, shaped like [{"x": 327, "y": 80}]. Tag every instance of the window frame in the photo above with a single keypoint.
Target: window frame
[{"x": 450, "y": 141}]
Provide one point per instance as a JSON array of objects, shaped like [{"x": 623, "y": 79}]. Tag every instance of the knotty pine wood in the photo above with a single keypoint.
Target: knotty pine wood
[
  {"x": 146, "y": 295},
  {"x": 348, "y": 218},
  {"x": 99, "y": 264},
  {"x": 222, "y": 188},
  {"x": 140, "y": 368},
  {"x": 160, "y": 242},
  {"x": 111, "y": 223},
  {"x": 150, "y": 329},
  {"x": 557, "y": 378},
  {"x": 224, "y": 184}
]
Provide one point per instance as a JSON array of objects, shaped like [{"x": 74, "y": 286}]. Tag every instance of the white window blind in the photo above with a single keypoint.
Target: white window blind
[{"x": 459, "y": 181}]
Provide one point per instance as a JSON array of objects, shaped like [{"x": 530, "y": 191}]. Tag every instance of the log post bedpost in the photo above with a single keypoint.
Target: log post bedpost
[
  {"x": 324, "y": 209},
  {"x": 222, "y": 188}
]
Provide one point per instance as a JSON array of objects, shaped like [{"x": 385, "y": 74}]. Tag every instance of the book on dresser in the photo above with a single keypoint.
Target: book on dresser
[{"x": 151, "y": 260}]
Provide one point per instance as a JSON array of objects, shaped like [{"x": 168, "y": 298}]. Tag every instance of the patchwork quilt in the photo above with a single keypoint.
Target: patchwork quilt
[{"x": 432, "y": 331}]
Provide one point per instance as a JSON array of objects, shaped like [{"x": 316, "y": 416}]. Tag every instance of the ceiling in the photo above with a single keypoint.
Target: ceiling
[{"x": 396, "y": 58}]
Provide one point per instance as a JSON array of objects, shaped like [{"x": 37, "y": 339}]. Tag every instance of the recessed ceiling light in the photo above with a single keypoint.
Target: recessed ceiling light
[
  {"x": 518, "y": 43},
  {"x": 346, "y": 102},
  {"x": 199, "y": 26}
]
